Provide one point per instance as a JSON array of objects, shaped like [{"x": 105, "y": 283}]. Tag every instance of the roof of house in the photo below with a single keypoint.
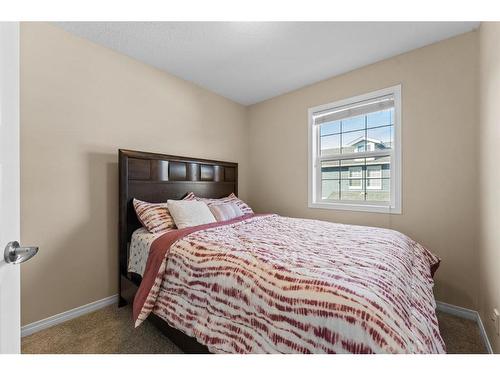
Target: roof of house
[{"x": 363, "y": 138}]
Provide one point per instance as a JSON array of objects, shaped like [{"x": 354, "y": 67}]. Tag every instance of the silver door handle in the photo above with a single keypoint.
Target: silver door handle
[{"x": 16, "y": 254}]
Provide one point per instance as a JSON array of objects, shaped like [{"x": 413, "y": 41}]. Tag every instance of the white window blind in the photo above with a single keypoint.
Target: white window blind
[{"x": 356, "y": 109}]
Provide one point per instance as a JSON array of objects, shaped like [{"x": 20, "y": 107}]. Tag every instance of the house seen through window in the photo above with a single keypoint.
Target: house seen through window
[{"x": 354, "y": 153}]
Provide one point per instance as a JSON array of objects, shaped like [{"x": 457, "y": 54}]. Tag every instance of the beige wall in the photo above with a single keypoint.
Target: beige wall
[
  {"x": 439, "y": 147},
  {"x": 79, "y": 103},
  {"x": 489, "y": 151}
]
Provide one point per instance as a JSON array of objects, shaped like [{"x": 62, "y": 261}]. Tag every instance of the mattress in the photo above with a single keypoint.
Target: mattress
[{"x": 139, "y": 249}]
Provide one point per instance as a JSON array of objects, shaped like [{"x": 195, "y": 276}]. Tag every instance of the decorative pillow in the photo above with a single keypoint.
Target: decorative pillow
[
  {"x": 245, "y": 208},
  {"x": 225, "y": 211},
  {"x": 190, "y": 213},
  {"x": 189, "y": 197},
  {"x": 155, "y": 217},
  {"x": 231, "y": 198}
]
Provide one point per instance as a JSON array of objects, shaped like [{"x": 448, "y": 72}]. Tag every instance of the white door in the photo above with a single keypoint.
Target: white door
[
  {"x": 10, "y": 330},
  {"x": 10, "y": 312}
]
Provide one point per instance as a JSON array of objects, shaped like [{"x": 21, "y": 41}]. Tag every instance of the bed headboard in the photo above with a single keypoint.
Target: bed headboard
[{"x": 157, "y": 178}]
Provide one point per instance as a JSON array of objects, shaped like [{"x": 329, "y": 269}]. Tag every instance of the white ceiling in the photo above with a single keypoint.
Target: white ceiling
[{"x": 253, "y": 61}]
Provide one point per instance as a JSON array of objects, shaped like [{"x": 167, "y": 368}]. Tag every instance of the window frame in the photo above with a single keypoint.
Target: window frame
[{"x": 314, "y": 158}]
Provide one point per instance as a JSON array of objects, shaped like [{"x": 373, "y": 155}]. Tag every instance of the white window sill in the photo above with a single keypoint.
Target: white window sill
[{"x": 356, "y": 207}]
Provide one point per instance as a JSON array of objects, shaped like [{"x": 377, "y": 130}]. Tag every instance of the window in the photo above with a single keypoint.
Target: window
[
  {"x": 355, "y": 153},
  {"x": 374, "y": 177},
  {"x": 355, "y": 177}
]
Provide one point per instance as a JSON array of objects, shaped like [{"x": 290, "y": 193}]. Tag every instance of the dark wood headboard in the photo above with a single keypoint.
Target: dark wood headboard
[{"x": 157, "y": 178}]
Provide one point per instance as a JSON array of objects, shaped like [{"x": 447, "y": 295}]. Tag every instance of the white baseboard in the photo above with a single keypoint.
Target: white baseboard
[
  {"x": 31, "y": 328},
  {"x": 461, "y": 312},
  {"x": 466, "y": 314},
  {"x": 484, "y": 335}
]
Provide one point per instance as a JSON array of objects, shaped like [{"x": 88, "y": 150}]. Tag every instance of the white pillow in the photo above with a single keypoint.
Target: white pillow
[{"x": 190, "y": 213}]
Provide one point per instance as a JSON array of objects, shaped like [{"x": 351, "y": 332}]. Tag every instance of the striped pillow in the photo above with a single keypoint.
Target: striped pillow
[
  {"x": 245, "y": 208},
  {"x": 231, "y": 198},
  {"x": 155, "y": 217},
  {"x": 189, "y": 197},
  {"x": 225, "y": 211}
]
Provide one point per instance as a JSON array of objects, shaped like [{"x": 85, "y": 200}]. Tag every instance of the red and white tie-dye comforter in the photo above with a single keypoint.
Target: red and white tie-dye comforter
[{"x": 272, "y": 284}]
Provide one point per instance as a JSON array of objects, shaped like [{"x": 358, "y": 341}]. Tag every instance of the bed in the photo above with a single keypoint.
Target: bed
[{"x": 263, "y": 283}]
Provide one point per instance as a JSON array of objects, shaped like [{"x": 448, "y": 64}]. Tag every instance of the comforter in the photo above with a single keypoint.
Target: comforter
[{"x": 272, "y": 284}]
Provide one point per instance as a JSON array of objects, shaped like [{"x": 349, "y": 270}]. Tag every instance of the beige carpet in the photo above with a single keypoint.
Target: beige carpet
[
  {"x": 460, "y": 335},
  {"x": 110, "y": 330}
]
